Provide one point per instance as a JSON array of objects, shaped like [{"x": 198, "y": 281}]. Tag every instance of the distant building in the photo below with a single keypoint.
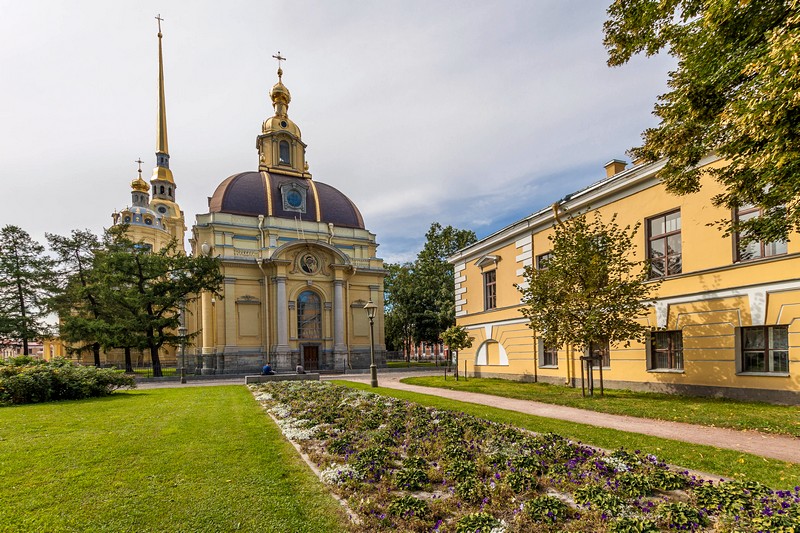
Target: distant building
[{"x": 726, "y": 321}]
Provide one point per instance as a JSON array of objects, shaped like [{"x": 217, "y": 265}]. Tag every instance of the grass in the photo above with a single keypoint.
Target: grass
[
  {"x": 190, "y": 459},
  {"x": 725, "y": 463},
  {"x": 403, "y": 364},
  {"x": 769, "y": 418}
]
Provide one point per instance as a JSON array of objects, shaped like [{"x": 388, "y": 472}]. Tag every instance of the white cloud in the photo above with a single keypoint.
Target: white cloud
[{"x": 466, "y": 113}]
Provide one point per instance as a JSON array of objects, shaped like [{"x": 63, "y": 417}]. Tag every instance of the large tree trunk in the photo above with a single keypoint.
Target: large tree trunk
[
  {"x": 96, "y": 352},
  {"x": 128, "y": 364},
  {"x": 154, "y": 355}
]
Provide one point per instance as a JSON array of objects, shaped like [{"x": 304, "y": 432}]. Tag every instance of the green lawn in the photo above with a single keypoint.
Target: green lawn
[
  {"x": 403, "y": 364},
  {"x": 726, "y": 463},
  {"x": 186, "y": 459},
  {"x": 758, "y": 416}
]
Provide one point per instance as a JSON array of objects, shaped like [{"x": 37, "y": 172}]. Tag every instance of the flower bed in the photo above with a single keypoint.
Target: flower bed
[{"x": 402, "y": 466}]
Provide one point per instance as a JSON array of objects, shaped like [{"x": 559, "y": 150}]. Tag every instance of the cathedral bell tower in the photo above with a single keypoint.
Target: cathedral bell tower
[
  {"x": 162, "y": 183},
  {"x": 280, "y": 146}
]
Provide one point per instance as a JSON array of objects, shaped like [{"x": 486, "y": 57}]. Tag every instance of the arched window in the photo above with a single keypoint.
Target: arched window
[
  {"x": 283, "y": 155},
  {"x": 162, "y": 189},
  {"x": 170, "y": 191},
  {"x": 309, "y": 316}
]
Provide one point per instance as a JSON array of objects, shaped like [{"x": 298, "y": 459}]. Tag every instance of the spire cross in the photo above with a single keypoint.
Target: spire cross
[
  {"x": 279, "y": 58},
  {"x": 159, "y": 19},
  {"x": 140, "y": 164}
]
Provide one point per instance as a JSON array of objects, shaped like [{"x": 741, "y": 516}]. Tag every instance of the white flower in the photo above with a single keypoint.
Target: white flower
[{"x": 337, "y": 474}]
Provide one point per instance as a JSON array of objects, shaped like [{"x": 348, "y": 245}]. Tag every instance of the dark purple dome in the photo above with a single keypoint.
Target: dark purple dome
[{"x": 262, "y": 193}]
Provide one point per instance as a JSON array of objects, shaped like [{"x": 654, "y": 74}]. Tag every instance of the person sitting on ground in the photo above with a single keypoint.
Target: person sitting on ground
[
  {"x": 300, "y": 369},
  {"x": 267, "y": 370}
]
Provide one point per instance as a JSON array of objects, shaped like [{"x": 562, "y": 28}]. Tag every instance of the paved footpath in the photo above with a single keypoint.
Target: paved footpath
[{"x": 783, "y": 448}]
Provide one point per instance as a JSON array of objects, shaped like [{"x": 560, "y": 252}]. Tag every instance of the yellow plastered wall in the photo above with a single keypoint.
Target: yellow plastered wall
[{"x": 712, "y": 296}]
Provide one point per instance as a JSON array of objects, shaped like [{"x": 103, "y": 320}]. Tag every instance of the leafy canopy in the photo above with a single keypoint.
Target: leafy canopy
[
  {"x": 592, "y": 289},
  {"x": 735, "y": 92}
]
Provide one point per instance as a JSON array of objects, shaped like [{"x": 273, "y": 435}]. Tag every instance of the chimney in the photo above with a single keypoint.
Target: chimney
[{"x": 615, "y": 166}]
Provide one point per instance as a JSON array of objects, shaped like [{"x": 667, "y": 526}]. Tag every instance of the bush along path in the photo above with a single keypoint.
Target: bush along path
[{"x": 402, "y": 466}]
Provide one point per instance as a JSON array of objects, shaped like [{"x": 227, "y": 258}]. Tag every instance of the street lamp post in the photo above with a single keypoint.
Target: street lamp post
[
  {"x": 182, "y": 332},
  {"x": 371, "y": 308}
]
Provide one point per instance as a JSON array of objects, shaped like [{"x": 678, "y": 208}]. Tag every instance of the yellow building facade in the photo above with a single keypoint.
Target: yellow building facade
[
  {"x": 726, "y": 322},
  {"x": 298, "y": 261},
  {"x": 299, "y": 265}
]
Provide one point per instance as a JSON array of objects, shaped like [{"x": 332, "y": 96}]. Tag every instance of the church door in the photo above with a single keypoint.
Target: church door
[{"x": 311, "y": 357}]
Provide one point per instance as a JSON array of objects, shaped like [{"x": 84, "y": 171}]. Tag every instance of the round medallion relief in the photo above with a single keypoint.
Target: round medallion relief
[{"x": 309, "y": 263}]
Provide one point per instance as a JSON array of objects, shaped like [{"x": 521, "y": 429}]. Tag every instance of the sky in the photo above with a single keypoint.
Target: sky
[{"x": 468, "y": 113}]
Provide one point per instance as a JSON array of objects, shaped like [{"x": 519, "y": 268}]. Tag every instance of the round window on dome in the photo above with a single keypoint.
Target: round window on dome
[{"x": 294, "y": 198}]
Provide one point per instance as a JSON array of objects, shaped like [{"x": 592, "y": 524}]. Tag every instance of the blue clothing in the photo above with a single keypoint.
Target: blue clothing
[{"x": 267, "y": 370}]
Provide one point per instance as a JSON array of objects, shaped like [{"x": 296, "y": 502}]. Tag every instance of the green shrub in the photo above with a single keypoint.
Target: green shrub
[
  {"x": 630, "y": 524},
  {"x": 408, "y": 506},
  {"x": 679, "y": 515},
  {"x": 546, "y": 509},
  {"x": 483, "y": 522},
  {"x": 59, "y": 380}
]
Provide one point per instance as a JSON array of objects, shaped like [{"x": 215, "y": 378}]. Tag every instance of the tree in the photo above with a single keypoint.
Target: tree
[
  {"x": 77, "y": 301},
  {"x": 591, "y": 289},
  {"x": 26, "y": 282},
  {"x": 145, "y": 290},
  {"x": 456, "y": 338},
  {"x": 434, "y": 280},
  {"x": 399, "y": 305},
  {"x": 733, "y": 93}
]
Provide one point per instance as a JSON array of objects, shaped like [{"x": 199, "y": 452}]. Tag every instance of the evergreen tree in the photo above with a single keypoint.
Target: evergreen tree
[
  {"x": 145, "y": 290},
  {"x": 26, "y": 283},
  {"x": 733, "y": 93},
  {"x": 77, "y": 301}
]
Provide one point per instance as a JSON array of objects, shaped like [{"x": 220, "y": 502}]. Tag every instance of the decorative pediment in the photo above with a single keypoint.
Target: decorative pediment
[{"x": 487, "y": 260}]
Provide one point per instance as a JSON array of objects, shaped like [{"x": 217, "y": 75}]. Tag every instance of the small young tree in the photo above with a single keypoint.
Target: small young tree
[
  {"x": 591, "y": 290},
  {"x": 456, "y": 338},
  {"x": 26, "y": 282}
]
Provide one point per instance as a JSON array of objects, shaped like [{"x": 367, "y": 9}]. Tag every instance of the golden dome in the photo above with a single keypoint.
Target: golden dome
[
  {"x": 279, "y": 93},
  {"x": 140, "y": 185}
]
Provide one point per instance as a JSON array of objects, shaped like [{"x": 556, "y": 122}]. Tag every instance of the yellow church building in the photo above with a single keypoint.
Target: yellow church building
[
  {"x": 726, "y": 321},
  {"x": 298, "y": 261}
]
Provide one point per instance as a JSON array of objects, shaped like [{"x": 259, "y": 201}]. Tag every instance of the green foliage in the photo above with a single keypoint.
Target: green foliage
[
  {"x": 632, "y": 524},
  {"x": 730, "y": 496},
  {"x": 733, "y": 93},
  {"x": 547, "y": 509},
  {"x": 592, "y": 291},
  {"x": 680, "y": 515},
  {"x": 43, "y": 382},
  {"x": 408, "y": 506},
  {"x": 599, "y": 497},
  {"x": 522, "y": 481},
  {"x": 132, "y": 296},
  {"x": 412, "y": 476},
  {"x": 420, "y": 296},
  {"x": 26, "y": 283},
  {"x": 477, "y": 522}
]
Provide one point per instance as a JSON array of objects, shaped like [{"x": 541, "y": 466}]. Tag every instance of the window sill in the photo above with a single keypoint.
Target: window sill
[
  {"x": 666, "y": 371},
  {"x": 765, "y": 374},
  {"x": 549, "y": 367}
]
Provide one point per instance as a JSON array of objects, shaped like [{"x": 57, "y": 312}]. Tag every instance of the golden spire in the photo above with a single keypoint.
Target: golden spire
[
  {"x": 162, "y": 171},
  {"x": 161, "y": 135}
]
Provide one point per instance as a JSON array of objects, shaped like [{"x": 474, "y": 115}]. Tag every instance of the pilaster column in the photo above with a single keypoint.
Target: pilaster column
[
  {"x": 207, "y": 349},
  {"x": 282, "y": 312},
  {"x": 338, "y": 316},
  {"x": 230, "y": 315}
]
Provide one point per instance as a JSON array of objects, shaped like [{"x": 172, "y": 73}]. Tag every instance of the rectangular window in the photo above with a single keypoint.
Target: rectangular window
[
  {"x": 490, "y": 289},
  {"x": 764, "y": 349},
  {"x": 666, "y": 350},
  {"x": 541, "y": 260},
  {"x": 756, "y": 249},
  {"x": 549, "y": 356},
  {"x": 664, "y": 244},
  {"x": 600, "y": 351}
]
